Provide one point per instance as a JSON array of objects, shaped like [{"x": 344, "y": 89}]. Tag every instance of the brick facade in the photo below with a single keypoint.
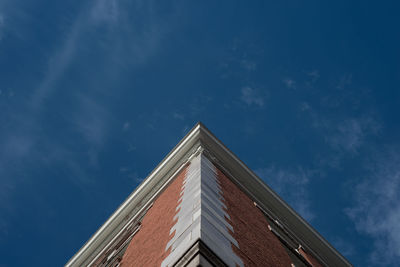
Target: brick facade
[
  {"x": 258, "y": 246},
  {"x": 147, "y": 247},
  {"x": 204, "y": 216}
]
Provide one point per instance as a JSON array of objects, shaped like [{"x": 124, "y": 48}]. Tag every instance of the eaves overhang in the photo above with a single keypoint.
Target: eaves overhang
[{"x": 198, "y": 140}]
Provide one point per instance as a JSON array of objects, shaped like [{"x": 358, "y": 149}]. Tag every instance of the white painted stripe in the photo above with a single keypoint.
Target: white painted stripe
[{"x": 202, "y": 215}]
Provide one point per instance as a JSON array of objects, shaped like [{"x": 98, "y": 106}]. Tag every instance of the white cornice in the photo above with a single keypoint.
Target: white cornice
[{"x": 197, "y": 139}]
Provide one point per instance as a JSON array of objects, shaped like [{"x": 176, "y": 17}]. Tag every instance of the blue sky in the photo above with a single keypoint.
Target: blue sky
[{"x": 93, "y": 94}]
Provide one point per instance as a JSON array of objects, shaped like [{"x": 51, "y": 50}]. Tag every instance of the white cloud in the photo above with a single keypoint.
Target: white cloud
[
  {"x": 376, "y": 209},
  {"x": 3, "y": 227},
  {"x": 25, "y": 144},
  {"x": 314, "y": 75},
  {"x": 131, "y": 147},
  {"x": 1, "y": 26},
  {"x": 304, "y": 106},
  {"x": 291, "y": 185},
  {"x": 349, "y": 134},
  {"x": 126, "y": 126},
  {"x": 17, "y": 146},
  {"x": 58, "y": 63},
  {"x": 106, "y": 11},
  {"x": 91, "y": 120},
  {"x": 133, "y": 42},
  {"x": 178, "y": 116},
  {"x": 248, "y": 65},
  {"x": 345, "y": 135},
  {"x": 133, "y": 176},
  {"x": 250, "y": 97},
  {"x": 124, "y": 169},
  {"x": 344, "y": 81},
  {"x": 290, "y": 83}
]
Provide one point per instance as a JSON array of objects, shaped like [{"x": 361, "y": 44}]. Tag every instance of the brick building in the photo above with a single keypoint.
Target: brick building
[{"x": 202, "y": 206}]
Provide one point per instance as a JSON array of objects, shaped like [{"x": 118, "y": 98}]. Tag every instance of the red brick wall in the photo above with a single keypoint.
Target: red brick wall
[
  {"x": 258, "y": 246},
  {"x": 147, "y": 247}
]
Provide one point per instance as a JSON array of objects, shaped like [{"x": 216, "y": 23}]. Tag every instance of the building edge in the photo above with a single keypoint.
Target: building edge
[{"x": 201, "y": 140}]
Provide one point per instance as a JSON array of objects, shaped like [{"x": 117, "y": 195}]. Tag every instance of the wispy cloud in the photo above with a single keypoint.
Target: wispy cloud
[
  {"x": 349, "y": 134},
  {"x": 314, "y": 75},
  {"x": 29, "y": 144},
  {"x": 345, "y": 135},
  {"x": 248, "y": 65},
  {"x": 345, "y": 138},
  {"x": 123, "y": 38},
  {"x": 251, "y": 98},
  {"x": 90, "y": 115},
  {"x": 241, "y": 55},
  {"x": 292, "y": 185},
  {"x": 376, "y": 208},
  {"x": 57, "y": 66},
  {"x": 126, "y": 126},
  {"x": 290, "y": 83},
  {"x": 304, "y": 106},
  {"x": 178, "y": 116},
  {"x": 20, "y": 140},
  {"x": 344, "y": 81},
  {"x": 131, "y": 174},
  {"x": 17, "y": 146},
  {"x": 105, "y": 11},
  {"x": 100, "y": 11},
  {"x": 91, "y": 119},
  {"x": 198, "y": 106},
  {"x": 2, "y": 25}
]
